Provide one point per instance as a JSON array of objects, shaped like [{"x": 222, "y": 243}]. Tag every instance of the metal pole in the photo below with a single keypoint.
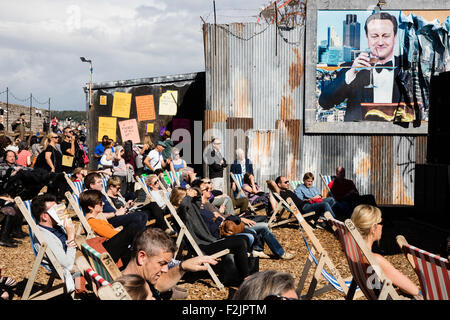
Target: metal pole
[
  {"x": 90, "y": 84},
  {"x": 7, "y": 109}
]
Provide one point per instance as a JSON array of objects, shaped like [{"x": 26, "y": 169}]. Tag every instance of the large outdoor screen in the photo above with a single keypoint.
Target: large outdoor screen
[{"x": 372, "y": 69}]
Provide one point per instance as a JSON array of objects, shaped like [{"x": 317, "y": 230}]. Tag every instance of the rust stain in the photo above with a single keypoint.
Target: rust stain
[
  {"x": 286, "y": 108},
  {"x": 241, "y": 105},
  {"x": 362, "y": 166},
  {"x": 296, "y": 71},
  {"x": 400, "y": 195}
]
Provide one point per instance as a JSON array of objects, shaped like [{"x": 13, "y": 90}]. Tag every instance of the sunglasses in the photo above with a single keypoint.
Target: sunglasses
[
  {"x": 381, "y": 222},
  {"x": 287, "y": 181}
]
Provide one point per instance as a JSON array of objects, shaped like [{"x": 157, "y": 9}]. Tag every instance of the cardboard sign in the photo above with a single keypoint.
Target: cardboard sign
[
  {"x": 67, "y": 161},
  {"x": 107, "y": 126},
  {"x": 145, "y": 108},
  {"x": 150, "y": 127},
  {"x": 129, "y": 130},
  {"x": 121, "y": 105},
  {"x": 168, "y": 103},
  {"x": 103, "y": 100}
]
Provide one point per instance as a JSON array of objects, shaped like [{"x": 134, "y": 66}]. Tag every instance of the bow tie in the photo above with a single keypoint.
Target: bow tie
[{"x": 378, "y": 67}]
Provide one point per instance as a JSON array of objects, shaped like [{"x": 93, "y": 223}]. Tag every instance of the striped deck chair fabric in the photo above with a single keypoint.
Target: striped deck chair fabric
[
  {"x": 238, "y": 178},
  {"x": 76, "y": 186},
  {"x": 174, "y": 177},
  {"x": 294, "y": 184},
  {"x": 101, "y": 262},
  {"x": 326, "y": 180},
  {"x": 365, "y": 271},
  {"x": 433, "y": 272}
]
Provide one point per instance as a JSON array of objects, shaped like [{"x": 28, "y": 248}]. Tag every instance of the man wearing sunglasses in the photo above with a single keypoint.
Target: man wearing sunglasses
[
  {"x": 283, "y": 183},
  {"x": 69, "y": 148}
]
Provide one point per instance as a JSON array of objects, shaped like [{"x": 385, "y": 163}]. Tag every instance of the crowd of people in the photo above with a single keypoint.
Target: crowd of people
[{"x": 120, "y": 212}]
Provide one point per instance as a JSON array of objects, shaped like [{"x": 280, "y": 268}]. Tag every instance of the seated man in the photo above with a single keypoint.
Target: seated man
[
  {"x": 60, "y": 238},
  {"x": 283, "y": 184},
  {"x": 151, "y": 257},
  {"x": 188, "y": 176},
  {"x": 116, "y": 217},
  {"x": 346, "y": 194}
]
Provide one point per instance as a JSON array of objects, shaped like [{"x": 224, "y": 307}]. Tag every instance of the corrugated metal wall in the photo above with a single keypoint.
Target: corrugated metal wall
[{"x": 254, "y": 82}]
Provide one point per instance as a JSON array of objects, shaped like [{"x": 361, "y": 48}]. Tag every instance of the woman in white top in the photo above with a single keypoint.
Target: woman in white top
[
  {"x": 107, "y": 158},
  {"x": 120, "y": 168}
]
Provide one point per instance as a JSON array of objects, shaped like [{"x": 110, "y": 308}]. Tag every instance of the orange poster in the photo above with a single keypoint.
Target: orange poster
[{"x": 145, "y": 107}]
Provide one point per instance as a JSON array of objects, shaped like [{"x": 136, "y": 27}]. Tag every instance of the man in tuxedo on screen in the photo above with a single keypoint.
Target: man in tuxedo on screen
[{"x": 381, "y": 34}]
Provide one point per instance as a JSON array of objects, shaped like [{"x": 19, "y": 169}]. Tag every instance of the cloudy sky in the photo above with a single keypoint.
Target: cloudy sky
[{"x": 41, "y": 43}]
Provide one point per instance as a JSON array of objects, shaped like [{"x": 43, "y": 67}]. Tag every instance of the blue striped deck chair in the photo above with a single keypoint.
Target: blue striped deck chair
[
  {"x": 326, "y": 180},
  {"x": 141, "y": 182},
  {"x": 334, "y": 279},
  {"x": 174, "y": 177},
  {"x": 102, "y": 263},
  {"x": 77, "y": 187},
  {"x": 105, "y": 183},
  {"x": 239, "y": 193},
  {"x": 44, "y": 257}
]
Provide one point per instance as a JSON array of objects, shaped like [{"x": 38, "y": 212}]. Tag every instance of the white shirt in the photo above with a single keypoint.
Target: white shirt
[
  {"x": 156, "y": 159},
  {"x": 384, "y": 84}
]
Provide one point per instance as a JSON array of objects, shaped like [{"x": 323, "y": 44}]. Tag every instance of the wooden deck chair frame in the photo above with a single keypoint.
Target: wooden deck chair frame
[
  {"x": 329, "y": 194},
  {"x": 336, "y": 282},
  {"x": 50, "y": 290},
  {"x": 254, "y": 207},
  {"x": 184, "y": 232},
  {"x": 433, "y": 271},
  {"x": 80, "y": 215},
  {"x": 350, "y": 236},
  {"x": 282, "y": 206}
]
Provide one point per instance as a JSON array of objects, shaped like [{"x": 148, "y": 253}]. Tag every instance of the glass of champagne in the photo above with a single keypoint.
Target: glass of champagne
[{"x": 373, "y": 60}]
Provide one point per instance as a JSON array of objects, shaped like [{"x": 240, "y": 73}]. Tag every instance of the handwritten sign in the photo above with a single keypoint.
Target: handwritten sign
[
  {"x": 121, "y": 105},
  {"x": 103, "y": 100},
  {"x": 107, "y": 126},
  {"x": 129, "y": 130},
  {"x": 168, "y": 103},
  {"x": 150, "y": 127},
  {"x": 145, "y": 108}
]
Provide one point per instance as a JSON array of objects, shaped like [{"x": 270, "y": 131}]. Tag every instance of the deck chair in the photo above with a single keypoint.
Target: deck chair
[
  {"x": 102, "y": 263},
  {"x": 102, "y": 288},
  {"x": 174, "y": 177},
  {"x": 53, "y": 266},
  {"x": 315, "y": 249},
  {"x": 238, "y": 180},
  {"x": 74, "y": 201},
  {"x": 77, "y": 187},
  {"x": 366, "y": 272},
  {"x": 326, "y": 180},
  {"x": 184, "y": 233},
  {"x": 294, "y": 184},
  {"x": 433, "y": 271},
  {"x": 282, "y": 207}
]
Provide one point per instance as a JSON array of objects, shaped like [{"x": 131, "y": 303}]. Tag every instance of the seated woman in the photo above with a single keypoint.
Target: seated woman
[
  {"x": 313, "y": 201},
  {"x": 118, "y": 242},
  {"x": 368, "y": 221},
  {"x": 254, "y": 193},
  {"x": 78, "y": 174},
  {"x": 150, "y": 210},
  {"x": 188, "y": 208}
]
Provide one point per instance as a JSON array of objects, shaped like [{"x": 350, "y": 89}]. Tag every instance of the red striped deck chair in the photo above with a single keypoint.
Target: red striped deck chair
[
  {"x": 366, "y": 272},
  {"x": 326, "y": 180},
  {"x": 44, "y": 257},
  {"x": 183, "y": 232},
  {"x": 323, "y": 262},
  {"x": 102, "y": 288},
  {"x": 433, "y": 271}
]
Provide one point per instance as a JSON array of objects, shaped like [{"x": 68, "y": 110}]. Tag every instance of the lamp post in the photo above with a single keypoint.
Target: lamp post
[{"x": 83, "y": 59}]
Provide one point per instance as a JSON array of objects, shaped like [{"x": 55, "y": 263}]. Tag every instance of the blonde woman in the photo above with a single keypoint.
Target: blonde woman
[
  {"x": 367, "y": 219},
  {"x": 52, "y": 158},
  {"x": 177, "y": 162}
]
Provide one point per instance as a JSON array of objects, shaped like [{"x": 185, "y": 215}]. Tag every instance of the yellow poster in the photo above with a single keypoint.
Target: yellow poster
[
  {"x": 145, "y": 108},
  {"x": 121, "y": 105},
  {"x": 150, "y": 127},
  {"x": 103, "y": 100},
  {"x": 168, "y": 103},
  {"x": 107, "y": 126}
]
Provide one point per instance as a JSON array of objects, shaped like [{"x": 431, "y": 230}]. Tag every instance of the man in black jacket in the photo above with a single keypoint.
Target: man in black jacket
[{"x": 216, "y": 163}]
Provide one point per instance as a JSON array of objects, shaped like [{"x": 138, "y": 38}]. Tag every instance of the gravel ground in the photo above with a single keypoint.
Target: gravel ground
[{"x": 17, "y": 262}]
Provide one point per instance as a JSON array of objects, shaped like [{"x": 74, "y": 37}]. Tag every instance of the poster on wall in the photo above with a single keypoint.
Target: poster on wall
[
  {"x": 107, "y": 126},
  {"x": 168, "y": 103},
  {"x": 373, "y": 68},
  {"x": 121, "y": 105},
  {"x": 129, "y": 130},
  {"x": 145, "y": 108}
]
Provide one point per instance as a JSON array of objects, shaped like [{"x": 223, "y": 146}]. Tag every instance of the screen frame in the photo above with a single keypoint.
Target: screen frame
[{"x": 357, "y": 127}]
